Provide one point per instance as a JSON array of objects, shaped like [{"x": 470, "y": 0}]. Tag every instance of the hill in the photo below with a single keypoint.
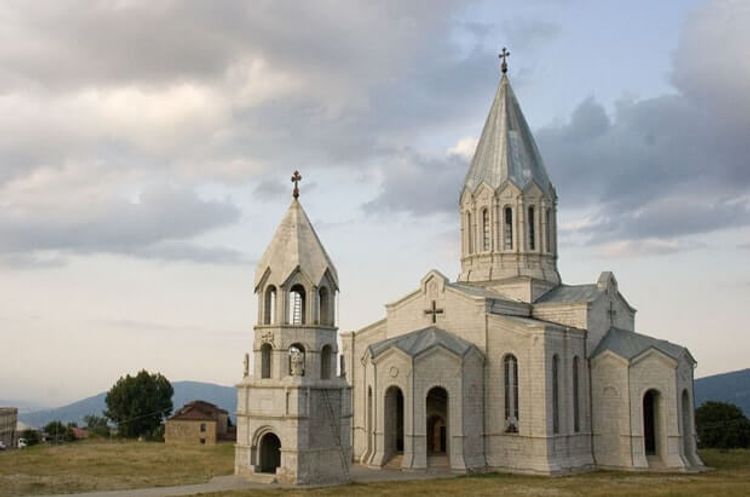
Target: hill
[
  {"x": 731, "y": 387},
  {"x": 184, "y": 391}
]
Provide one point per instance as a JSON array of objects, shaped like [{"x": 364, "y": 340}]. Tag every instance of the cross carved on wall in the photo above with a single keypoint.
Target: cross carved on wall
[{"x": 433, "y": 311}]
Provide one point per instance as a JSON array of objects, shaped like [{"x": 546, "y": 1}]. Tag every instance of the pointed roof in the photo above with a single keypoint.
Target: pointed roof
[
  {"x": 416, "y": 342},
  {"x": 295, "y": 245},
  {"x": 506, "y": 149},
  {"x": 628, "y": 345}
]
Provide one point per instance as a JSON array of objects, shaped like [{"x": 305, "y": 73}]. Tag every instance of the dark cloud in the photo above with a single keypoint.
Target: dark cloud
[
  {"x": 419, "y": 184},
  {"x": 671, "y": 166},
  {"x": 270, "y": 188},
  {"x": 156, "y": 226}
]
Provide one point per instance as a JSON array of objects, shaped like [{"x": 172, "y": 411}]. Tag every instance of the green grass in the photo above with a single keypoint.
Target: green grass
[
  {"x": 730, "y": 478},
  {"x": 104, "y": 465},
  {"x": 88, "y": 466}
]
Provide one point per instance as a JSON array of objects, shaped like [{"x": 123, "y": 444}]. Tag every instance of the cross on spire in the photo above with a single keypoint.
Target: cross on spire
[
  {"x": 503, "y": 56},
  {"x": 433, "y": 311},
  {"x": 296, "y": 178}
]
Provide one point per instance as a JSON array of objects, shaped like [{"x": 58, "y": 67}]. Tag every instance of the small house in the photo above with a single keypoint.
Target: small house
[{"x": 198, "y": 422}]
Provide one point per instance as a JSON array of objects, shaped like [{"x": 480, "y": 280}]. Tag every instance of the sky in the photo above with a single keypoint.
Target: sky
[{"x": 146, "y": 150}]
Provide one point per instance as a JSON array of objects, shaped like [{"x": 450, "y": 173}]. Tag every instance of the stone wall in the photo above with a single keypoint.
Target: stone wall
[
  {"x": 8, "y": 421},
  {"x": 195, "y": 432}
]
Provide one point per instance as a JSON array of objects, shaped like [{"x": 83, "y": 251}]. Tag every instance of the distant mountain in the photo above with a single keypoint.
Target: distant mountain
[
  {"x": 23, "y": 405},
  {"x": 184, "y": 391},
  {"x": 731, "y": 387}
]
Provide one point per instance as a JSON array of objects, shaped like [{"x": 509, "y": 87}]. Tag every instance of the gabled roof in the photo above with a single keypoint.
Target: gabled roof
[
  {"x": 506, "y": 150},
  {"x": 416, "y": 342},
  {"x": 198, "y": 410},
  {"x": 570, "y": 294},
  {"x": 628, "y": 345},
  {"x": 295, "y": 245}
]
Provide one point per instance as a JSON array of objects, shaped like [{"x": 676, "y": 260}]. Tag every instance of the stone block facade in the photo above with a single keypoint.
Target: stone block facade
[{"x": 8, "y": 421}]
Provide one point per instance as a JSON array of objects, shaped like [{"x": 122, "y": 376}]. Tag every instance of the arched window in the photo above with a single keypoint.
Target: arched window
[
  {"x": 265, "y": 360},
  {"x": 651, "y": 424},
  {"x": 325, "y": 362},
  {"x": 326, "y": 310},
  {"x": 469, "y": 234},
  {"x": 369, "y": 416},
  {"x": 532, "y": 232},
  {"x": 486, "y": 230},
  {"x": 296, "y": 360},
  {"x": 576, "y": 397},
  {"x": 297, "y": 307},
  {"x": 269, "y": 307},
  {"x": 548, "y": 229},
  {"x": 510, "y": 364},
  {"x": 555, "y": 394},
  {"x": 508, "y": 229}
]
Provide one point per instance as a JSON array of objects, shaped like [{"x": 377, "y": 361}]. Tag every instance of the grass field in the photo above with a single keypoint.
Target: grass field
[
  {"x": 87, "y": 466},
  {"x": 731, "y": 478},
  {"x": 91, "y": 465}
]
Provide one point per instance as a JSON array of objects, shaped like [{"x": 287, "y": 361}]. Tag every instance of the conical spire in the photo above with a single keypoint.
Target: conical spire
[
  {"x": 506, "y": 150},
  {"x": 295, "y": 245}
]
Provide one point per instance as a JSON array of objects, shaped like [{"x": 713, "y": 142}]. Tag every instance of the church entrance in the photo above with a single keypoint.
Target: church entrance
[
  {"x": 650, "y": 423},
  {"x": 394, "y": 422},
  {"x": 270, "y": 453},
  {"x": 436, "y": 435},
  {"x": 436, "y": 410}
]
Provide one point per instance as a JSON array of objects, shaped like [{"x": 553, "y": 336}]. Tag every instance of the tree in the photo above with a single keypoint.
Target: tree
[
  {"x": 138, "y": 404},
  {"x": 57, "y": 432},
  {"x": 722, "y": 425},
  {"x": 97, "y": 425},
  {"x": 31, "y": 437}
]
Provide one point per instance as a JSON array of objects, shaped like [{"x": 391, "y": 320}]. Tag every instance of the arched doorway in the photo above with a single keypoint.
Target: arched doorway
[
  {"x": 651, "y": 423},
  {"x": 436, "y": 410},
  {"x": 270, "y": 453},
  {"x": 394, "y": 422}
]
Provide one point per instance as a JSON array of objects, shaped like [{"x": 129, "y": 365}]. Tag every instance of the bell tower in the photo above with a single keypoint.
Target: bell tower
[
  {"x": 508, "y": 204},
  {"x": 293, "y": 409}
]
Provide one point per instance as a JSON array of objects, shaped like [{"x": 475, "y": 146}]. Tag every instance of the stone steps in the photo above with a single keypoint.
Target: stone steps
[
  {"x": 262, "y": 477},
  {"x": 438, "y": 462},
  {"x": 655, "y": 462},
  {"x": 394, "y": 462}
]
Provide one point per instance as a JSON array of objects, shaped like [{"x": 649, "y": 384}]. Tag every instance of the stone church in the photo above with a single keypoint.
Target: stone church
[{"x": 506, "y": 368}]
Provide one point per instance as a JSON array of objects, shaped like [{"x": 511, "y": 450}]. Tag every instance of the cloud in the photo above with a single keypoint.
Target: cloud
[
  {"x": 102, "y": 105},
  {"x": 85, "y": 218},
  {"x": 665, "y": 168},
  {"x": 649, "y": 176},
  {"x": 420, "y": 184},
  {"x": 646, "y": 247}
]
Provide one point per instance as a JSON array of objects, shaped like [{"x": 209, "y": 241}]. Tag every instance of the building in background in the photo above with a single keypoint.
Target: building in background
[
  {"x": 198, "y": 423},
  {"x": 8, "y": 420}
]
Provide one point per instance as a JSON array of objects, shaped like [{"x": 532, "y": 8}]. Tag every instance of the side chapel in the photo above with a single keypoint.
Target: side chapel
[{"x": 506, "y": 368}]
